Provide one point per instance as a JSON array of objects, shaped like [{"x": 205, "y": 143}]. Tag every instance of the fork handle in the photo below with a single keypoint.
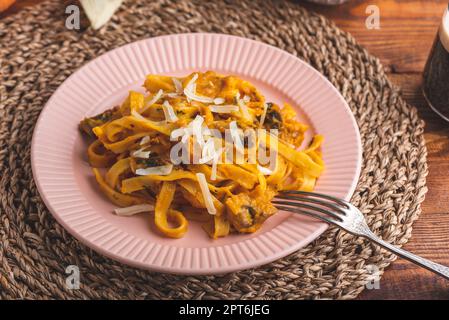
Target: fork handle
[{"x": 432, "y": 266}]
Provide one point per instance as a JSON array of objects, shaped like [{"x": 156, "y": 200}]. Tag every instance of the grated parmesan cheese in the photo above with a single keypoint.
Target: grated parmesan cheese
[
  {"x": 153, "y": 100},
  {"x": 173, "y": 95},
  {"x": 144, "y": 140},
  {"x": 178, "y": 85},
  {"x": 208, "y": 200},
  {"x": 190, "y": 92},
  {"x": 138, "y": 116},
  {"x": 196, "y": 127},
  {"x": 213, "y": 175},
  {"x": 141, "y": 154},
  {"x": 226, "y": 108},
  {"x": 264, "y": 171},
  {"x": 235, "y": 135},
  {"x": 169, "y": 113},
  {"x": 242, "y": 104},
  {"x": 175, "y": 134},
  {"x": 209, "y": 151},
  {"x": 219, "y": 100},
  {"x": 264, "y": 114},
  {"x": 159, "y": 171},
  {"x": 132, "y": 210}
]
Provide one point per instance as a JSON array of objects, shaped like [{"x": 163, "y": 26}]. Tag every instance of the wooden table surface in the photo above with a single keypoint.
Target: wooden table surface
[{"x": 407, "y": 30}]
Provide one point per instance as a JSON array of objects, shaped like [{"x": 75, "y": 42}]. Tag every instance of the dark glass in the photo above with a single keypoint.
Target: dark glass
[{"x": 436, "y": 72}]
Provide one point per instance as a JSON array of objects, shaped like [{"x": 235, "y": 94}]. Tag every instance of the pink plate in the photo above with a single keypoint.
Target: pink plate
[{"x": 67, "y": 186}]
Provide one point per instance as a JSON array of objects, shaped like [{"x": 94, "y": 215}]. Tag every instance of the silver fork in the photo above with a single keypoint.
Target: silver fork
[{"x": 346, "y": 216}]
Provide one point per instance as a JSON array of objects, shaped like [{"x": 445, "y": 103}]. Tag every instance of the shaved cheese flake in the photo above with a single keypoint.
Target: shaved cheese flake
[
  {"x": 178, "y": 85},
  {"x": 169, "y": 113},
  {"x": 144, "y": 140},
  {"x": 237, "y": 96},
  {"x": 219, "y": 100},
  {"x": 246, "y": 98},
  {"x": 173, "y": 95},
  {"x": 136, "y": 115},
  {"x": 132, "y": 210},
  {"x": 243, "y": 108},
  {"x": 197, "y": 130},
  {"x": 208, "y": 201},
  {"x": 225, "y": 108},
  {"x": 159, "y": 171},
  {"x": 186, "y": 135},
  {"x": 236, "y": 136},
  {"x": 264, "y": 114},
  {"x": 153, "y": 100},
  {"x": 213, "y": 175},
  {"x": 140, "y": 117},
  {"x": 193, "y": 80},
  {"x": 264, "y": 171},
  {"x": 175, "y": 134},
  {"x": 190, "y": 92},
  {"x": 208, "y": 152},
  {"x": 141, "y": 154}
]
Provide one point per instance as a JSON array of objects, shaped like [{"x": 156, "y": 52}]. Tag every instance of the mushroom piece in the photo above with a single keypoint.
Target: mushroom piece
[{"x": 247, "y": 214}]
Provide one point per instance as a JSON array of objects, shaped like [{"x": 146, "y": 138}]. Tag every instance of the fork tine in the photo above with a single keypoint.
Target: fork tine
[
  {"x": 317, "y": 195},
  {"x": 308, "y": 206},
  {"x": 330, "y": 205},
  {"x": 308, "y": 213}
]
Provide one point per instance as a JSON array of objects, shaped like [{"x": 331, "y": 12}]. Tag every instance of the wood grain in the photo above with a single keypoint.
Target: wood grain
[{"x": 407, "y": 30}]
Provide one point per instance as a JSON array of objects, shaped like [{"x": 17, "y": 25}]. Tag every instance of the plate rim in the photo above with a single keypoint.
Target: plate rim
[{"x": 198, "y": 271}]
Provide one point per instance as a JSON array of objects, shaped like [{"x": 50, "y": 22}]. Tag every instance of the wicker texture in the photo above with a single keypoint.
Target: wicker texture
[{"x": 37, "y": 53}]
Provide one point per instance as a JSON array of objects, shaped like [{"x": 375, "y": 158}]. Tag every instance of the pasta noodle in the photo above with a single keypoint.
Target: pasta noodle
[{"x": 206, "y": 146}]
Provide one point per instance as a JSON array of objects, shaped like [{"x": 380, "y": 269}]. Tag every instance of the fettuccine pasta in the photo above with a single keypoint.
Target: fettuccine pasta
[{"x": 204, "y": 147}]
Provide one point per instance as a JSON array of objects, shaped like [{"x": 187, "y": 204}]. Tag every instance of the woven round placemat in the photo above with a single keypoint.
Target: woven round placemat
[{"x": 37, "y": 53}]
